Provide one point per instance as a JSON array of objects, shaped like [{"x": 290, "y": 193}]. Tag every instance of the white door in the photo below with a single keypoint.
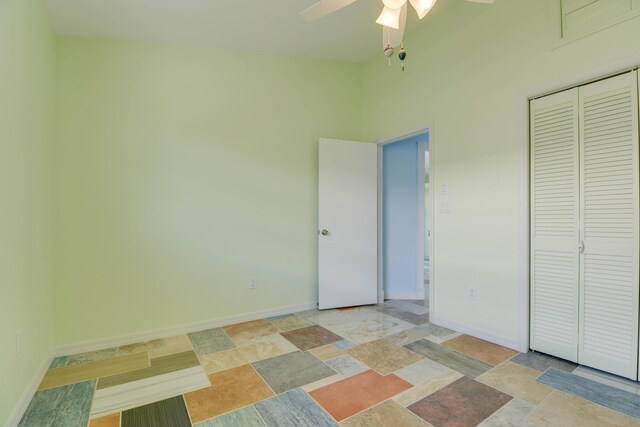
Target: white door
[
  {"x": 554, "y": 224},
  {"x": 609, "y": 225},
  {"x": 347, "y": 223}
]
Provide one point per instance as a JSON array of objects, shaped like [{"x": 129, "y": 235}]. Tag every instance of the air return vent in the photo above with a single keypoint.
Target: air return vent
[{"x": 583, "y": 17}]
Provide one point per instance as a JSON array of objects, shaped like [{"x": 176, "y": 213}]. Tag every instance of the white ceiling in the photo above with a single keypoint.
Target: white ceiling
[{"x": 272, "y": 26}]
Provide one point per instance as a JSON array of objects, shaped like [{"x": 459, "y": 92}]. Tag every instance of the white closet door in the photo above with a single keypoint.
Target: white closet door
[
  {"x": 609, "y": 225},
  {"x": 554, "y": 224}
]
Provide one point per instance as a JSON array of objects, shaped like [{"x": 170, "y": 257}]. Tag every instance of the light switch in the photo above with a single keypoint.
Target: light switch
[
  {"x": 444, "y": 189},
  {"x": 445, "y": 207}
]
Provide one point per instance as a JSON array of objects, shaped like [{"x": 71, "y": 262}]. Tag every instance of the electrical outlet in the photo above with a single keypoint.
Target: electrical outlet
[
  {"x": 19, "y": 345},
  {"x": 473, "y": 294},
  {"x": 253, "y": 282}
]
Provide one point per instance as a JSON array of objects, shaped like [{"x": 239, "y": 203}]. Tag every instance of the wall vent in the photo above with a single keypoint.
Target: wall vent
[{"x": 583, "y": 17}]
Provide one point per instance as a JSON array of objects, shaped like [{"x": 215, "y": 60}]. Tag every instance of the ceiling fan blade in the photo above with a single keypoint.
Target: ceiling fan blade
[
  {"x": 392, "y": 37},
  {"x": 483, "y": 1},
  {"x": 324, "y": 8}
]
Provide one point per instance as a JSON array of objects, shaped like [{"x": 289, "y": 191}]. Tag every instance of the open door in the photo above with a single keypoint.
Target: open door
[{"x": 347, "y": 224}]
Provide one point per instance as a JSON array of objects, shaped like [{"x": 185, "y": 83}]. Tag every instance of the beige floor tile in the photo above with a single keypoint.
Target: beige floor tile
[
  {"x": 263, "y": 348},
  {"x": 326, "y": 352},
  {"x": 245, "y": 333},
  {"x": 321, "y": 383},
  {"x": 158, "y": 366},
  {"x": 360, "y": 326},
  {"x": 516, "y": 380},
  {"x": 385, "y": 414},
  {"x": 160, "y": 347},
  {"x": 108, "y": 421},
  {"x": 406, "y": 337},
  {"x": 88, "y": 371},
  {"x": 480, "y": 349},
  {"x": 290, "y": 323},
  {"x": 383, "y": 356},
  {"x": 423, "y": 390},
  {"x": 422, "y": 372},
  {"x": 563, "y": 410},
  {"x": 512, "y": 414},
  {"x": 230, "y": 390}
]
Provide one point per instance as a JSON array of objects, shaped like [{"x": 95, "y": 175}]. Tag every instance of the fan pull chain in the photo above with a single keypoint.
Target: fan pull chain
[
  {"x": 388, "y": 52},
  {"x": 402, "y": 54}
]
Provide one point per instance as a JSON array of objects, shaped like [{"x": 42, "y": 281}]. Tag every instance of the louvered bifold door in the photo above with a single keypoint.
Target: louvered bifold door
[
  {"x": 554, "y": 224},
  {"x": 609, "y": 225}
]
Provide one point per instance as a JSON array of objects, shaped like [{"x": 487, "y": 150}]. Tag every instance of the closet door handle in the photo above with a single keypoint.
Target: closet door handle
[{"x": 581, "y": 247}]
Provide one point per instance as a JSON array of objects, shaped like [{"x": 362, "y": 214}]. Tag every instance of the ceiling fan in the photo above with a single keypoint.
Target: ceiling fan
[{"x": 393, "y": 18}]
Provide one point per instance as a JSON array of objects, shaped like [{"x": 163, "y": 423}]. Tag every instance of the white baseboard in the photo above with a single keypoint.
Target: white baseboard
[
  {"x": 93, "y": 345},
  {"x": 496, "y": 339},
  {"x": 27, "y": 395},
  {"x": 404, "y": 294},
  {"x": 117, "y": 341}
]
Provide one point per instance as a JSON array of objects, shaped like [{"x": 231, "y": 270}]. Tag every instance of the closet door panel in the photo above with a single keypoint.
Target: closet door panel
[
  {"x": 609, "y": 225},
  {"x": 554, "y": 224}
]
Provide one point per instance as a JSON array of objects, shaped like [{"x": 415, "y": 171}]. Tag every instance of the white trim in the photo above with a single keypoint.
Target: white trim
[
  {"x": 496, "y": 339},
  {"x": 94, "y": 345},
  {"x": 432, "y": 219},
  {"x": 20, "y": 407},
  {"x": 405, "y": 295},
  {"x": 421, "y": 147},
  {"x": 584, "y": 78},
  {"x": 524, "y": 236},
  {"x": 408, "y": 134},
  {"x": 380, "y": 228}
]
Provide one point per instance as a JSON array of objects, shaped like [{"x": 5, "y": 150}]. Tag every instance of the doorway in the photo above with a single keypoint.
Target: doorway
[
  {"x": 406, "y": 218},
  {"x": 425, "y": 229}
]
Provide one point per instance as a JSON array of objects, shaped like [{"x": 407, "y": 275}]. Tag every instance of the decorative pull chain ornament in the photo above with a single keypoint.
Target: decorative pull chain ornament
[{"x": 393, "y": 19}]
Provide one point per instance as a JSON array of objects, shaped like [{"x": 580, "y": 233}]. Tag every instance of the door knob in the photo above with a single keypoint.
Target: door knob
[{"x": 325, "y": 232}]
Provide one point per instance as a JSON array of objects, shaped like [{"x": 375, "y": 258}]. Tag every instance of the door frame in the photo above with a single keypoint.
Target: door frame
[{"x": 429, "y": 129}]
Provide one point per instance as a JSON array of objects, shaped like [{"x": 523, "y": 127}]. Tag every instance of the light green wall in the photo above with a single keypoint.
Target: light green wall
[
  {"x": 182, "y": 172},
  {"x": 469, "y": 71},
  {"x": 26, "y": 119}
]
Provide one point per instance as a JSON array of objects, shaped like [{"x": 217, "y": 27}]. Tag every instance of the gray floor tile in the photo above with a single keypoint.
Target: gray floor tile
[
  {"x": 344, "y": 344},
  {"x": 92, "y": 356},
  {"x": 292, "y": 370},
  {"x": 67, "y": 406},
  {"x": 294, "y": 409},
  {"x": 452, "y": 359},
  {"x": 435, "y": 330},
  {"x": 346, "y": 365},
  {"x": 407, "y": 316},
  {"x": 610, "y": 397},
  {"x": 542, "y": 362},
  {"x": 59, "y": 362},
  {"x": 210, "y": 341},
  {"x": 245, "y": 417}
]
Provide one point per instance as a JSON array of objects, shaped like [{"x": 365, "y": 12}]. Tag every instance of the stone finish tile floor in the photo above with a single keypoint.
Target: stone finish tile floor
[{"x": 375, "y": 366}]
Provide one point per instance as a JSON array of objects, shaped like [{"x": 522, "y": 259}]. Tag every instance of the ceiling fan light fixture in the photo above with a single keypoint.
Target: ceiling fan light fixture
[
  {"x": 394, "y": 4},
  {"x": 390, "y": 18},
  {"x": 422, "y": 7}
]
